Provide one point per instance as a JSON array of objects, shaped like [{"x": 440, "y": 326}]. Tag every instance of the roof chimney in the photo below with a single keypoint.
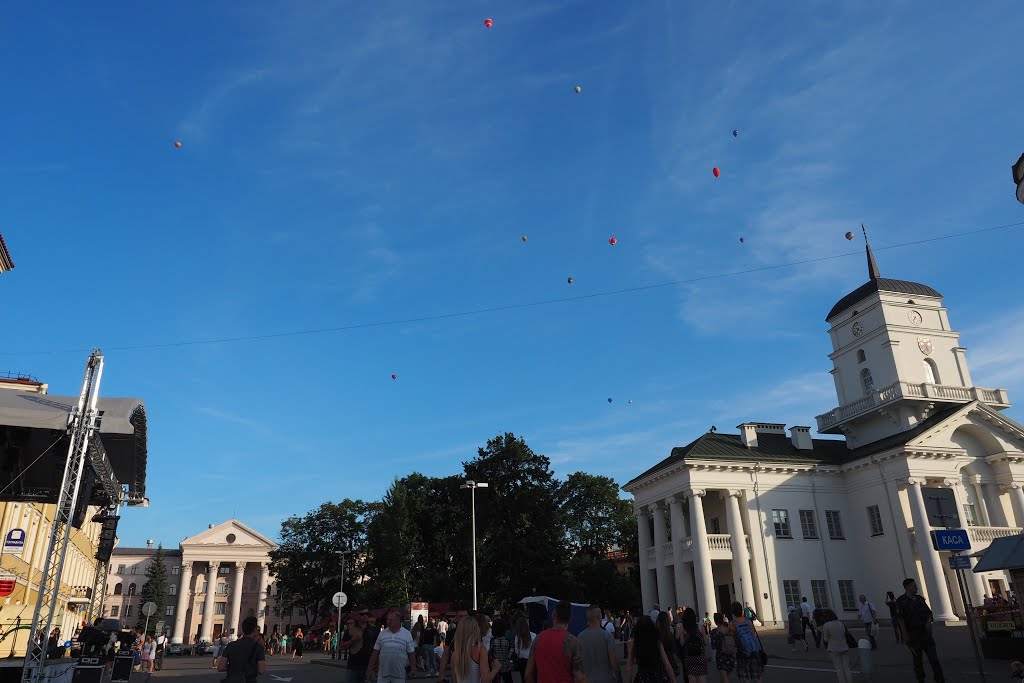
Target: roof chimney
[
  {"x": 149, "y": 542},
  {"x": 801, "y": 438},
  {"x": 748, "y": 434},
  {"x": 211, "y": 526}
]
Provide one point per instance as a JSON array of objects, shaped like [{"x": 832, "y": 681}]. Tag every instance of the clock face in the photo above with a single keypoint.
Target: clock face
[
  {"x": 915, "y": 317},
  {"x": 857, "y": 329}
]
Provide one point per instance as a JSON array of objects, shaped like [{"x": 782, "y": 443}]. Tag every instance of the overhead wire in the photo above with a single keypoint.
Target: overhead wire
[
  {"x": 20, "y": 474},
  {"x": 511, "y": 307}
]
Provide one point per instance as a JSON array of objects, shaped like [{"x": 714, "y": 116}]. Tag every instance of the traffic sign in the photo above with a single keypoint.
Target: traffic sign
[
  {"x": 951, "y": 539},
  {"x": 340, "y": 600},
  {"x": 959, "y": 561},
  {"x": 149, "y": 609}
]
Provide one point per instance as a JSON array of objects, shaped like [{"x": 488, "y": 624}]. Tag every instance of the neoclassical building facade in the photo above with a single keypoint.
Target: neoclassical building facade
[
  {"x": 767, "y": 517},
  {"x": 216, "y": 579}
]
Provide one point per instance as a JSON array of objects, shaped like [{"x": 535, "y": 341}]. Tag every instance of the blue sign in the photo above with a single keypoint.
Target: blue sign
[
  {"x": 14, "y": 542},
  {"x": 951, "y": 539},
  {"x": 959, "y": 562}
]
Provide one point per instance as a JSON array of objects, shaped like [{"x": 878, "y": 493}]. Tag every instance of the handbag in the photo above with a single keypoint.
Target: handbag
[
  {"x": 850, "y": 641},
  {"x": 762, "y": 655}
]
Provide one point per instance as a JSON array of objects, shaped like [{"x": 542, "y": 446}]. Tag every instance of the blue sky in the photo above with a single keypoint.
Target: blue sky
[{"x": 348, "y": 163}]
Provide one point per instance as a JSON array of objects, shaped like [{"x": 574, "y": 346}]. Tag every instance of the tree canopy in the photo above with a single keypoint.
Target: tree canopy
[{"x": 155, "y": 590}]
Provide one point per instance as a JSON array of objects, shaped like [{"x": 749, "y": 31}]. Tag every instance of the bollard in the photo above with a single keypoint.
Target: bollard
[{"x": 867, "y": 663}]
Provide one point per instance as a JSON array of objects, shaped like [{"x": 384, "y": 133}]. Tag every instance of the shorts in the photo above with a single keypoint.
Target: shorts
[{"x": 749, "y": 667}]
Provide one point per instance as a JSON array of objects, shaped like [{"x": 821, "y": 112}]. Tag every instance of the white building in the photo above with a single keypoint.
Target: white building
[
  {"x": 230, "y": 557},
  {"x": 767, "y": 517}
]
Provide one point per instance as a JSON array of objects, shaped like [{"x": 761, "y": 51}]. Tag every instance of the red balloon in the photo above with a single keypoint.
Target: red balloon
[
  {"x": 612, "y": 241},
  {"x": 716, "y": 171},
  {"x": 488, "y": 23},
  {"x": 177, "y": 144},
  {"x": 394, "y": 376}
]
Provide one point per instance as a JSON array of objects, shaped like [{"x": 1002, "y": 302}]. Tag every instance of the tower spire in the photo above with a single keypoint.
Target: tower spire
[{"x": 872, "y": 266}]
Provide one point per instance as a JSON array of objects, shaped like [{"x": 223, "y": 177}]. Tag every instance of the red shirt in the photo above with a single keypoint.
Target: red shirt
[{"x": 556, "y": 654}]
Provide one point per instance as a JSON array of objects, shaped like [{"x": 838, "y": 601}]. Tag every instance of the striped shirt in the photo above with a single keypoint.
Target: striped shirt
[{"x": 394, "y": 648}]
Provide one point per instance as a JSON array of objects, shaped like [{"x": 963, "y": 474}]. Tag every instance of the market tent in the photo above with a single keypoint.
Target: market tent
[
  {"x": 1002, "y": 553},
  {"x": 540, "y": 607}
]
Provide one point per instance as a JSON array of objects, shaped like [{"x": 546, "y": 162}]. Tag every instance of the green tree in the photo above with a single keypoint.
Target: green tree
[
  {"x": 305, "y": 565},
  {"x": 155, "y": 590},
  {"x": 596, "y": 519},
  {"x": 393, "y": 549}
]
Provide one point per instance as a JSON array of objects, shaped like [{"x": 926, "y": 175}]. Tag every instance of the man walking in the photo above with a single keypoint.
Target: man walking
[
  {"x": 394, "y": 653},
  {"x": 161, "y": 643},
  {"x": 916, "y": 623},
  {"x": 870, "y": 619},
  {"x": 598, "y": 646},
  {"x": 556, "y": 655},
  {"x": 244, "y": 659},
  {"x": 805, "y": 617}
]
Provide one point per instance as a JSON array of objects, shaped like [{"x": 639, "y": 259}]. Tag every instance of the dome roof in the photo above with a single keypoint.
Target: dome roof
[{"x": 880, "y": 284}]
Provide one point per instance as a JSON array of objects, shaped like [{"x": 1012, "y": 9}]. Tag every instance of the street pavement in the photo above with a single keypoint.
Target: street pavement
[{"x": 892, "y": 663}]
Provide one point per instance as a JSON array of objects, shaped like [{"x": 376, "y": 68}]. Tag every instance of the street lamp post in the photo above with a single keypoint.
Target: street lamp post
[
  {"x": 473, "y": 486},
  {"x": 342, "y": 554}
]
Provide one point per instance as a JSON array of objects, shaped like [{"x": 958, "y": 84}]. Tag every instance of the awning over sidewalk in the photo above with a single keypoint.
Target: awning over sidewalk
[{"x": 1002, "y": 553}]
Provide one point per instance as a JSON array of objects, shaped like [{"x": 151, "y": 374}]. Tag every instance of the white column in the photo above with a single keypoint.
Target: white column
[
  {"x": 184, "y": 595},
  {"x": 683, "y": 583},
  {"x": 648, "y": 591},
  {"x": 236, "y": 600},
  {"x": 1017, "y": 496},
  {"x": 211, "y": 588},
  {"x": 665, "y": 597},
  {"x": 931, "y": 563},
  {"x": 740, "y": 554},
  {"x": 706, "y": 601},
  {"x": 261, "y": 599},
  {"x": 979, "y": 493}
]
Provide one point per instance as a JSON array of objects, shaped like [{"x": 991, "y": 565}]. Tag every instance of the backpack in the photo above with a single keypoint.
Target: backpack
[
  {"x": 729, "y": 643},
  {"x": 694, "y": 645},
  {"x": 749, "y": 644}
]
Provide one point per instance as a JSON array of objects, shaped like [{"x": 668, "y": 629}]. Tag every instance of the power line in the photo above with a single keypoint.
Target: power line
[
  {"x": 38, "y": 458},
  {"x": 512, "y": 307}
]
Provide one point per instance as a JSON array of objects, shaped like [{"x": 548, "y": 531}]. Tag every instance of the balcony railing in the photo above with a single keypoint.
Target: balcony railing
[
  {"x": 904, "y": 390},
  {"x": 980, "y": 535},
  {"x": 719, "y": 547}
]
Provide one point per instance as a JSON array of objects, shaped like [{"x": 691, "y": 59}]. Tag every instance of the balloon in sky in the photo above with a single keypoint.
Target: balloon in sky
[
  {"x": 609, "y": 399},
  {"x": 524, "y": 238},
  {"x": 716, "y": 171},
  {"x": 849, "y": 235},
  {"x": 612, "y": 241},
  {"x": 630, "y": 401},
  {"x": 488, "y": 22},
  {"x": 569, "y": 281},
  {"x": 578, "y": 90},
  {"x": 394, "y": 376},
  {"x": 742, "y": 240},
  {"x": 735, "y": 133},
  {"x": 177, "y": 144}
]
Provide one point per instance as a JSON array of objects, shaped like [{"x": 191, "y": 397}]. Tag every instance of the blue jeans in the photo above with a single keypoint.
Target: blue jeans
[
  {"x": 356, "y": 674},
  {"x": 430, "y": 662}
]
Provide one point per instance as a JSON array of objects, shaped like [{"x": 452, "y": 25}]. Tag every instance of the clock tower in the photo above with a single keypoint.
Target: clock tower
[{"x": 896, "y": 360}]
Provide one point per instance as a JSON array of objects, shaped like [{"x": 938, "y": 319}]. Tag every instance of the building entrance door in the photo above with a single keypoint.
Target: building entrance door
[
  {"x": 217, "y": 629},
  {"x": 724, "y": 594}
]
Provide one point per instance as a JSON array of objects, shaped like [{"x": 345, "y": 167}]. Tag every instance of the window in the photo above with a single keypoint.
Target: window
[
  {"x": 222, "y": 588},
  {"x": 169, "y": 612},
  {"x": 780, "y": 518},
  {"x": 174, "y": 570},
  {"x": 819, "y": 593},
  {"x": 714, "y": 526},
  {"x": 134, "y": 569},
  {"x": 127, "y": 611},
  {"x": 970, "y": 514},
  {"x": 867, "y": 382},
  {"x": 202, "y": 607},
  {"x": 120, "y": 569},
  {"x": 791, "y": 589},
  {"x": 860, "y": 356},
  {"x": 835, "y": 527},
  {"x": 807, "y": 524},
  {"x": 114, "y": 610},
  {"x": 117, "y": 589},
  {"x": 220, "y": 607},
  {"x": 931, "y": 371},
  {"x": 846, "y": 595},
  {"x": 224, "y": 570},
  {"x": 131, "y": 589},
  {"x": 172, "y": 589},
  {"x": 875, "y": 520}
]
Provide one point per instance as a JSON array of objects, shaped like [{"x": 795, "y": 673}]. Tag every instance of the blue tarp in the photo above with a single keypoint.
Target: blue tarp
[{"x": 540, "y": 607}]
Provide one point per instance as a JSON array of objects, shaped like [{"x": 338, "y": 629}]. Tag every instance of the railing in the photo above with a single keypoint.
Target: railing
[
  {"x": 987, "y": 534},
  {"x": 900, "y": 390},
  {"x": 720, "y": 542}
]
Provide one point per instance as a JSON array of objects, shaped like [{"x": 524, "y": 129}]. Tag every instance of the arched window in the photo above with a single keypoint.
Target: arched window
[
  {"x": 867, "y": 382},
  {"x": 931, "y": 371},
  {"x": 131, "y": 589},
  {"x": 117, "y": 589},
  {"x": 860, "y": 356}
]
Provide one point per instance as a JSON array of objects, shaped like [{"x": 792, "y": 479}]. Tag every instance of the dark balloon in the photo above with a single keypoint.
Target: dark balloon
[
  {"x": 524, "y": 238},
  {"x": 569, "y": 281},
  {"x": 394, "y": 376},
  {"x": 735, "y": 133},
  {"x": 609, "y": 400},
  {"x": 849, "y": 235},
  {"x": 742, "y": 240}
]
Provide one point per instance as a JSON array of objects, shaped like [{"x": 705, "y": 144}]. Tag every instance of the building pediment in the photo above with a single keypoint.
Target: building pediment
[
  {"x": 974, "y": 427},
  {"x": 229, "y": 534}
]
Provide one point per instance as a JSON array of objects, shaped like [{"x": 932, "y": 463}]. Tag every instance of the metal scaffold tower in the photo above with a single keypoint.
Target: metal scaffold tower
[{"x": 82, "y": 425}]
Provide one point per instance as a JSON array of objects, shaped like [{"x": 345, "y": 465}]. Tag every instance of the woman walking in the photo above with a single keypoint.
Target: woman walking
[
  {"x": 469, "y": 658},
  {"x": 647, "y": 655},
  {"x": 524, "y": 640},
  {"x": 147, "y": 654},
  {"x": 502, "y": 650},
  {"x": 833, "y": 634},
  {"x": 668, "y": 642},
  {"x": 749, "y": 666},
  {"x": 692, "y": 643},
  {"x": 297, "y": 646},
  {"x": 723, "y": 641},
  {"x": 796, "y": 629}
]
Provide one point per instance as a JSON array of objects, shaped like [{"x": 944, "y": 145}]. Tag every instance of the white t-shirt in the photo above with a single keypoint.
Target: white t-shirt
[
  {"x": 442, "y": 627},
  {"x": 805, "y": 609},
  {"x": 654, "y": 614},
  {"x": 394, "y": 648},
  {"x": 866, "y": 609},
  {"x": 609, "y": 626},
  {"x": 524, "y": 652}
]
